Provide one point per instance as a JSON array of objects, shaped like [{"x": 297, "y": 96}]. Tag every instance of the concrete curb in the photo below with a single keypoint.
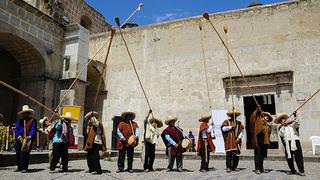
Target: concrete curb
[{"x": 9, "y": 158}]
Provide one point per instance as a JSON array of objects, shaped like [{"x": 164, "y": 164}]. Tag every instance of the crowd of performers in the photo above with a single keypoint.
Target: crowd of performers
[{"x": 175, "y": 140}]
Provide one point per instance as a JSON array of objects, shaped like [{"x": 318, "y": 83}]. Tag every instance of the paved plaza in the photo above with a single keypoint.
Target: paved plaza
[{"x": 191, "y": 171}]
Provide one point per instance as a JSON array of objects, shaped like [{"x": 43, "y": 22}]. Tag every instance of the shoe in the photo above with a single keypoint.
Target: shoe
[
  {"x": 146, "y": 170},
  {"x": 168, "y": 170},
  {"x": 235, "y": 169},
  {"x": 130, "y": 171},
  {"x": 265, "y": 171},
  {"x": 65, "y": 170},
  {"x": 203, "y": 170},
  {"x": 180, "y": 170},
  {"x": 89, "y": 171},
  {"x": 151, "y": 170},
  {"x": 119, "y": 171},
  {"x": 51, "y": 171},
  {"x": 17, "y": 170},
  {"x": 302, "y": 174},
  {"x": 258, "y": 172},
  {"x": 228, "y": 170},
  {"x": 23, "y": 171},
  {"x": 96, "y": 172},
  {"x": 291, "y": 172}
]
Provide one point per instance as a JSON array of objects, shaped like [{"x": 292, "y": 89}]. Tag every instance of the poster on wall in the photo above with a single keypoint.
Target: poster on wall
[
  {"x": 218, "y": 117},
  {"x": 75, "y": 114}
]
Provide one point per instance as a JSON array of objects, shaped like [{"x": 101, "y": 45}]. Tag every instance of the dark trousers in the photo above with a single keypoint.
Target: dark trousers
[
  {"x": 60, "y": 150},
  {"x": 205, "y": 156},
  {"x": 93, "y": 158},
  {"x": 149, "y": 155},
  {"x": 172, "y": 158},
  {"x": 232, "y": 160},
  {"x": 259, "y": 154},
  {"x": 298, "y": 157},
  {"x": 122, "y": 154},
  {"x": 22, "y": 158}
]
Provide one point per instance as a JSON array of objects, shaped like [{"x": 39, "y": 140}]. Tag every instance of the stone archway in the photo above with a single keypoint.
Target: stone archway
[
  {"x": 85, "y": 22},
  {"x": 23, "y": 67}
]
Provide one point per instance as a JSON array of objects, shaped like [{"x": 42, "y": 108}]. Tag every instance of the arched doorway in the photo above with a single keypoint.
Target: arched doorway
[
  {"x": 21, "y": 66},
  {"x": 86, "y": 22}
]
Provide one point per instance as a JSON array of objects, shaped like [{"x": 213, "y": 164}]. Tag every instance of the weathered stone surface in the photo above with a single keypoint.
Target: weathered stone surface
[{"x": 168, "y": 57}]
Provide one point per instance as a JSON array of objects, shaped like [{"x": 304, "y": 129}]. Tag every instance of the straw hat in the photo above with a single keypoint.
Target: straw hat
[
  {"x": 236, "y": 113},
  {"x": 159, "y": 122},
  {"x": 280, "y": 116},
  {"x": 68, "y": 117},
  {"x": 269, "y": 115},
  {"x": 169, "y": 119},
  {"x": 91, "y": 113},
  {"x": 41, "y": 121},
  {"x": 205, "y": 118},
  {"x": 124, "y": 114},
  {"x": 25, "y": 109}
]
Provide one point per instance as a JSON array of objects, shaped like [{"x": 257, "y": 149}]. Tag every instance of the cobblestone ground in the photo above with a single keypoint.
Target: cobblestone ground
[{"x": 191, "y": 171}]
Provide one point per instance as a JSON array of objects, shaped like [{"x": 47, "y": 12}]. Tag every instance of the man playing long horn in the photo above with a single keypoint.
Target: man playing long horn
[
  {"x": 232, "y": 131},
  {"x": 260, "y": 137},
  {"x": 205, "y": 144},
  {"x": 128, "y": 134},
  {"x": 25, "y": 133},
  {"x": 150, "y": 139},
  {"x": 172, "y": 138},
  {"x": 96, "y": 142},
  {"x": 289, "y": 134}
]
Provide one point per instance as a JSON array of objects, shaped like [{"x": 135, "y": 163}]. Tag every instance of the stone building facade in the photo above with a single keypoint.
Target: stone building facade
[
  {"x": 276, "y": 46},
  {"x": 73, "y": 12},
  {"x": 42, "y": 52}
]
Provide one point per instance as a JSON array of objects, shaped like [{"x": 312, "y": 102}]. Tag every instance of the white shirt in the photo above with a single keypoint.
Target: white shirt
[
  {"x": 152, "y": 134},
  {"x": 290, "y": 133}
]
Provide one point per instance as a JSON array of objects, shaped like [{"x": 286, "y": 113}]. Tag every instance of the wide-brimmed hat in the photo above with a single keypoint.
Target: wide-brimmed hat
[
  {"x": 236, "y": 113},
  {"x": 68, "y": 117},
  {"x": 205, "y": 118},
  {"x": 159, "y": 122},
  {"x": 41, "y": 121},
  {"x": 269, "y": 116},
  {"x": 91, "y": 113},
  {"x": 25, "y": 109},
  {"x": 280, "y": 116},
  {"x": 124, "y": 114},
  {"x": 169, "y": 119}
]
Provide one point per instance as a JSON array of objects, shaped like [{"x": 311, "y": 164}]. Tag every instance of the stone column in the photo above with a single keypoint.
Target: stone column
[{"x": 75, "y": 58}]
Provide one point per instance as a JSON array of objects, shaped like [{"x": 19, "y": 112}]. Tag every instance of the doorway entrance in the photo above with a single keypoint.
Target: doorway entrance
[{"x": 267, "y": 103}]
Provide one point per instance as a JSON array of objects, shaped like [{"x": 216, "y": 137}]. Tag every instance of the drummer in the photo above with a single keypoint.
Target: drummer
[
  {"x": 205, "y": 143},
  {"x": 128, "y": 134},
  {"x": 172, "y": 138}
]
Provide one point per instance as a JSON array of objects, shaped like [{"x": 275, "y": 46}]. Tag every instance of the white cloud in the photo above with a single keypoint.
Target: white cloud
[{"x": 171, "y": 15}]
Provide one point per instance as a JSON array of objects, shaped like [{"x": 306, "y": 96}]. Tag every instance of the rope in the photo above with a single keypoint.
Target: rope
[
  {"x": 206, "y": 16},
  {"x": 134, "y": 67},
  {"x": 113, "y": 30},
  {"x": 225, "y": 28},
  {"x": 205, "y": 67}
]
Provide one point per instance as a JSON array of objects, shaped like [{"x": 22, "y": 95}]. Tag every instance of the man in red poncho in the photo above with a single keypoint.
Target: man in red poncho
[{"x": 205, "y": 143}]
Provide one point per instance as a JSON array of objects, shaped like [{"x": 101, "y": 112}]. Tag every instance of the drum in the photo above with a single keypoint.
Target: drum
[
  {"x": 25, "y": 145},
  {"x": 132, "y": 141},
  {"x": 186, "y": 143}
]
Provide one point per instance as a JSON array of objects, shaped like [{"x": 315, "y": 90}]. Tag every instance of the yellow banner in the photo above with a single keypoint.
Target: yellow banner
[{"x": 75, "y": 112}]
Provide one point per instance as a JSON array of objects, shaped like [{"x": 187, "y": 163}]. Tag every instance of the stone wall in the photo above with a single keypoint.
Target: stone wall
[
  {"x": 75, "y": 11},
  {"x": 266, "y": 39}
]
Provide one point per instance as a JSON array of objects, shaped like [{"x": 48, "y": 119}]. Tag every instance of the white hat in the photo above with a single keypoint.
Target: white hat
[
  {"x": 68, "y": 116},
  {"x": 25, "y": 108},
  {"x": 91, "y": 113},
  {"x": 41, "y": 121},
  {"x": 169, "y": 119}
]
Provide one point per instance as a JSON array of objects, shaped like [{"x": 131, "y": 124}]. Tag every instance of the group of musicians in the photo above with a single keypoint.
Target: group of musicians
[{"x": 175, "y": 140}]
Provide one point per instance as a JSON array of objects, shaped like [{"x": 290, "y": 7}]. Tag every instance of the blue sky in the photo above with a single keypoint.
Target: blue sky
[{"x": 164, "y": 10}]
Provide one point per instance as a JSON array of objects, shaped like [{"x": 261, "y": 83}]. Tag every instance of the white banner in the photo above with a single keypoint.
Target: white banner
[{"x": 218, "y": 117}]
